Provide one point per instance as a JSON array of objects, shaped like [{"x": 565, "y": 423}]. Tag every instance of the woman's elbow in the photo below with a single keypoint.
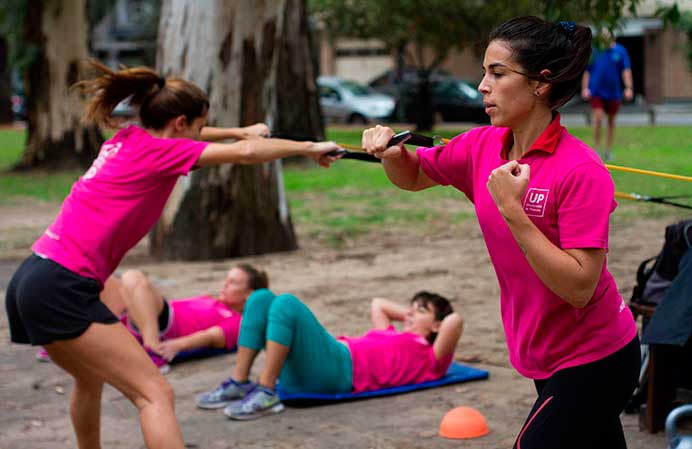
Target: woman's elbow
[
  {"x": 247, "y": 152},
  {"x": 581, "y": 296}
]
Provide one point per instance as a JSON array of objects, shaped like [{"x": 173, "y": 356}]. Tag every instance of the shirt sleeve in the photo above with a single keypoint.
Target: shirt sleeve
[
  {"x": 230, "y": 327},
  {"x": 625, "y": 59},
  {"x": 450, "y": 164},
  {"x": 585, "y": 202},
  {"x": 174, "y": 157}
]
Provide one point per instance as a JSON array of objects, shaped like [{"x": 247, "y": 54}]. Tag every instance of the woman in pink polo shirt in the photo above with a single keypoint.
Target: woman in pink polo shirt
[
  {"x": 306, "y": 358},
  {"x": 543, "y": 200},
  {"x": 53, "y": 298}
]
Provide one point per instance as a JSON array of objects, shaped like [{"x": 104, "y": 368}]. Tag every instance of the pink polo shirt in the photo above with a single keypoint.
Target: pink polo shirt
[
  {"x": 388, "y": 358},
  {"x": 569, "y": 198},
  {"x": 115, "y": 203}
]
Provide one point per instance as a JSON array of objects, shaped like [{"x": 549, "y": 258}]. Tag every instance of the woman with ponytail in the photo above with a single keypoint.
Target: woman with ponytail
[
  {"x": 53, "y": 298},
  {"x": 543, "y": 200}
]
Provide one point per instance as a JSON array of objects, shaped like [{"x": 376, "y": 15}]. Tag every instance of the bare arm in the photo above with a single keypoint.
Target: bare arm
[
  {"x": 212, "y": 134},
  {"x": 402, "y": 167},
  {"x": 571, "y": 274},
  {"x": 384, "y": 311},
  {"x": 255, "y": 151},
  {"x": 208, "y": 338},
  {"x": 585, "y": 92},
  {"x": 448, "y": 335},
  {"x": 627, "y": 79}
]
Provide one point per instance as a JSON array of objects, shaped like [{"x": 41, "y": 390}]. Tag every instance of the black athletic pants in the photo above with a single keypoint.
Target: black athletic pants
[{"x": 580, "y": 407}]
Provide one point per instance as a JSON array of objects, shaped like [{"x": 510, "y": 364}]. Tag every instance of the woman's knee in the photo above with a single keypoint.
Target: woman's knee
[
  {"x": 259, "y": 302},
  {"x": 156, "y": 392},
  {"x": 286, "y": 306},
  {"x": 134, "y": 279},
  {"x": 88, "y": 386}
]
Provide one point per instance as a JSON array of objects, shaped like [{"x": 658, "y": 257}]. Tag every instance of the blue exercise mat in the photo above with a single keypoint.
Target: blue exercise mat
[
  {"x": 202, "y": 353},
  {"x": 456, "y": 373}
]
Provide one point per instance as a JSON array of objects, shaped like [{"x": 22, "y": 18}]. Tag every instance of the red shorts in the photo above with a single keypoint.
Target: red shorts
[{"x": 609, "y": 106}]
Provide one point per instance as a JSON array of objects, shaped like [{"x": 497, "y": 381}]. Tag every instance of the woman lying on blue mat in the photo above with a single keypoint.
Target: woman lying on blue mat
[
  {"x": 166, "y": 328},
  {"x": 304, "y": 357}
]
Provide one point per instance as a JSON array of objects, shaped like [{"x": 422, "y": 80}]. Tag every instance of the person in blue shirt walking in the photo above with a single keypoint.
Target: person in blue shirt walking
[{"x": 602, "y": 85}]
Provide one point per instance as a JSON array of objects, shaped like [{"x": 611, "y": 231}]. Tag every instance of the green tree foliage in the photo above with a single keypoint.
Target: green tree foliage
[
  {"x": 12, "y": 19},
  {"x": 442, "y": 25},
  {"x": 409, "y": 26}
]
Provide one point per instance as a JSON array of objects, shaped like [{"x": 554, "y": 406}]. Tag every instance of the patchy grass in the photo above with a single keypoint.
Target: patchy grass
[{"x": 354, "y": 198}]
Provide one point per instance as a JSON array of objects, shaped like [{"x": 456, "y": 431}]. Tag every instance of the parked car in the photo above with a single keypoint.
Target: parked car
[
  {"x": 347, "y": 101},
  {"x": 453, "y": 99}
]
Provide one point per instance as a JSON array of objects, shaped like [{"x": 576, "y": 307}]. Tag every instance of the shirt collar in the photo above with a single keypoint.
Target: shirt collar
[{"x": 546, "y": 142}]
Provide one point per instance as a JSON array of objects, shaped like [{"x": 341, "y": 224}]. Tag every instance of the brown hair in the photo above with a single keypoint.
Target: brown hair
[
  {"x": 158, "y": 99},
  {"x": 564, "y": 48},
  {"x": 256, "y": 278},
  {"x": 441, "y": 305}
]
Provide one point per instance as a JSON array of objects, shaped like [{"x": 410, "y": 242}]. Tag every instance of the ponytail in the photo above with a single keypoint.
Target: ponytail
[
  {"x": 157, "y": 99},
  {"x": 563, "y": 48}
]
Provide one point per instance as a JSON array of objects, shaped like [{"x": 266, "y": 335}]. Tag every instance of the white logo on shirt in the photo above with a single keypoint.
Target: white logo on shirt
[
  {"x": 108, "y": 150},
  {"x": 535, "y": 201},
  {"x": 622, "y": 306},
  {"x": 52, "y": 235}
]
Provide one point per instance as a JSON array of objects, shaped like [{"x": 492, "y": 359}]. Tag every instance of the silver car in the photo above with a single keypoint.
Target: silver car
[{"x": 350, "y": 102}]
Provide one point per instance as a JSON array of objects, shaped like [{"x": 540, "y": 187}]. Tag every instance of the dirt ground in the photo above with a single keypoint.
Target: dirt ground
[{"x": 337, "y": 284}]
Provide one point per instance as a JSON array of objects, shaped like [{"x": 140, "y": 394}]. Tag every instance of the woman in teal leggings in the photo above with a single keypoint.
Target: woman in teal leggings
[{"x": 303, "y": 356}]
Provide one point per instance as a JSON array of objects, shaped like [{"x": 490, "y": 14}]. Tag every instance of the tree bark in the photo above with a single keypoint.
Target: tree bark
[
  {"x": 5, "y": 90},
  {"x": 253, "y": 59},
  {"x": 58, "y": 30}
]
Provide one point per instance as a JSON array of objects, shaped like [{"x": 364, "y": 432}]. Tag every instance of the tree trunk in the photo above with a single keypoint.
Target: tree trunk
[
  {"x": 253, "y": 59},
  {"x": 5, "y": 90},
  {"x": 57, "y": 29}
]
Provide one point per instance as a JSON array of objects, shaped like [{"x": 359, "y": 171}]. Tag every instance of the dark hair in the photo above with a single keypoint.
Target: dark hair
[
  {"x": 564, "y": 48},
  {"x": 158, "y": 99},
  {"x": 440, "y": 304},
  {"x": 256, "y": 278}
]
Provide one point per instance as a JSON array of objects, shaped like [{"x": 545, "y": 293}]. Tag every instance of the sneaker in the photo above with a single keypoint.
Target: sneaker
[
  {"x": 224, "y": 394},
  {"x": 161, "y": 364},
  {"x": 42, "y": 356},
  {"x": 259, "y": 402}
]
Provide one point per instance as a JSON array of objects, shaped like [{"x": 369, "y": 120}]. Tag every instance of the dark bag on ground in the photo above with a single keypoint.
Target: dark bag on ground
[{"x": 656, "y": 274}]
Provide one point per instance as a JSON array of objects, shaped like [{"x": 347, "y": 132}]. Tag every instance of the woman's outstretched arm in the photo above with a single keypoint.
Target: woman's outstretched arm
[
  {"x": 256, "y": 151},
  {"x": 213, "y": 134}
]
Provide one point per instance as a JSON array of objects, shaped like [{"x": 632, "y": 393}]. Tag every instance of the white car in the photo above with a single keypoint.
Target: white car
[{"x": 347, "y": 101}]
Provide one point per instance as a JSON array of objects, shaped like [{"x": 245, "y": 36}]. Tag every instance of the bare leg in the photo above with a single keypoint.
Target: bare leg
[
  {"x": 610, "y": 136},
  {"x": 275, "y": 358},
  {"x": 144, "y": 304},
  {"x": 85, "y": 411},
  {"x": 112, "y": 296},
  {"x": 108, "y": 353},
  {"x": 243, "y": 363},
  {"x": 597, "y": 115}
]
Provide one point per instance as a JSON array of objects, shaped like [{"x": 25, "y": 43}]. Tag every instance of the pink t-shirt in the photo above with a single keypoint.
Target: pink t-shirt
[
  {"x": 199, "y": 313},
  {"x": 388, "y": 358},
  {"x": 115, "y": 203},
  {"x": 569, "y": 198}
]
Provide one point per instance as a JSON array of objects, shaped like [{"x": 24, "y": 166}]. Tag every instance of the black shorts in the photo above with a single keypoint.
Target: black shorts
[{"x": 47, "y": 302}]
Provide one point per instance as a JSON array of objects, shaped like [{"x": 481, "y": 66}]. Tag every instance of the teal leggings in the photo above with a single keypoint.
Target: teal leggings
[{"x": 316, "y": 361}]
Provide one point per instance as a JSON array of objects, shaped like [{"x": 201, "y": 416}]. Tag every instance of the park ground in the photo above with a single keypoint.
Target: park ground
[{"x": 350, "y": 251}]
